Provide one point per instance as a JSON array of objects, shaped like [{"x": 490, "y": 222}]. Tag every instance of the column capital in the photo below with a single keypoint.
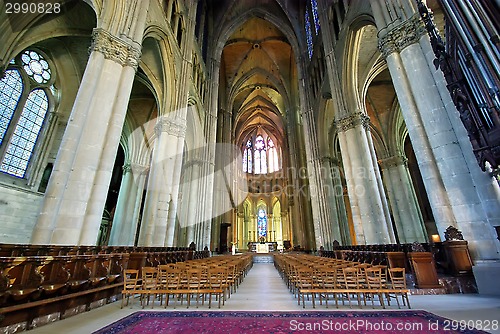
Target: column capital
[
  {"x": 138, "y": 169},
  {"x": 176, "y": 127},
  {"x": 394, "y": 161},
  {"x": 194, "y": 162},
  {"x": 402, "y": 36},
  {"x": 351, "y": 121},
  {"x": 127, "y": 168},
  {"x": 115, "y": 49},
  {"x": 135, "y": 168}
]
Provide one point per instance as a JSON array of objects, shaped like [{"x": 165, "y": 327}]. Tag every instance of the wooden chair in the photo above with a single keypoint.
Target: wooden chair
[
  {"x": 173, "y": 284},
  {"x": 305, "y": 283},
  {"x": 161, "y": 280},
  {"x": 149, "y": 284},
  {"x": 195, "y": 283},
  {"x": 217, "y": 283},
  {"x": 374, "y": 281},
  {"x": 131, "y": 284},
  {"x": 398, "y": 283},
  {"x": 329, "y": 282},
  {"x": 351, "y": 282}
]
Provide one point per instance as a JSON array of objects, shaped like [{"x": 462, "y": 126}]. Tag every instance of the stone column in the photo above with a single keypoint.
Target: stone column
[
  {"x": 338, "y": 204},
  {"x": 370, "y": 212},
  {"x": 208, "y": 168},
  {"x": 366, "y": 194},
  {"x": 459, "y": 193},
  {"x": 220, "y": 204},
  {"x": 321, "y": 215},
  {"x": 403, "y": 201},
  {"x": 125, "y": 221},
  {"x": 269, "y": 227},
  {"x": 157, "y": 228},
  {"x": 246, "y": 228},
  {"x": 140, "y": 173},
  {"x": 241, "y": 230},
  {"x": 194, "y": 201},
  {"x": 74, "y": 201}
]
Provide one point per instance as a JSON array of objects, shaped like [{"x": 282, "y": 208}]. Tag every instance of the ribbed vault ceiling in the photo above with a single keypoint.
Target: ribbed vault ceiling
[{"x": 257, "y": 61}]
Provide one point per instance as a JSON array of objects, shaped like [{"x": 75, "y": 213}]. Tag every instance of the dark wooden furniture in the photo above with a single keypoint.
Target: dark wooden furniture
[
  {"x": 424, "y": 269},
  {"x": 38, "y": 280},
  {"x": 457, "y": 254}
]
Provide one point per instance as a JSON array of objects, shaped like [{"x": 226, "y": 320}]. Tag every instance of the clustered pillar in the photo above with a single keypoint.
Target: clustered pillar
[{"x": 72, "y": 208}]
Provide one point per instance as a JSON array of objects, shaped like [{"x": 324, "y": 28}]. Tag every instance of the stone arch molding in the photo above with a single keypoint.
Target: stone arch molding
[{"x": 355, "y": 83}]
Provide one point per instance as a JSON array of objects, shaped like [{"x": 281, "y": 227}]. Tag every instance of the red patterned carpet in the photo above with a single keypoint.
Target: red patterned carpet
[{"x": 411, "y": 321}]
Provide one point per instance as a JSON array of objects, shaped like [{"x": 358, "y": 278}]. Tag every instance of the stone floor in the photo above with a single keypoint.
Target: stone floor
[{"x": 264, "y": 290}]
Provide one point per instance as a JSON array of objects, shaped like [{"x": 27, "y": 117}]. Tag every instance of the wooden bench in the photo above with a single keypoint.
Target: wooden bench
[
  {"x": 353, "y": 291},
  {"x": 27, "y": 312}
]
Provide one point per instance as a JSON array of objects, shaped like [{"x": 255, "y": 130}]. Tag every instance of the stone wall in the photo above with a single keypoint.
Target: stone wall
[{"x": 19, "y": 209}]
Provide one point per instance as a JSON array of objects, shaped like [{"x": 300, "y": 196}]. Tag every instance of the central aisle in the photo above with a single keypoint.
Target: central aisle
[{"x": 262, "y": 290}]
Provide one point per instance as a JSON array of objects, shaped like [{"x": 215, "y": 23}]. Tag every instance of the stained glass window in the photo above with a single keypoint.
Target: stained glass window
[
  {"x": 260, "y": 156},
  {"x": 36, "y": 66},
  {"x": 257, "y": 162},
  {"x": 309, "y": 38},
  {"x": 262, "y": 223},
  {"x": 259, "y": 143},
  {"x": 24, "y": 114},
  {"x": 11, "y": 88},
  {"x": 247, "y": 157},
  {"x": 25, "y": 134},
  {"x": 263, "y": 162},
  {"x": 250, "y": 161},
  {"x": 314, "y": 6},
  {"x": 273, "y": 156},
  {"x": 245, "y": 160}
]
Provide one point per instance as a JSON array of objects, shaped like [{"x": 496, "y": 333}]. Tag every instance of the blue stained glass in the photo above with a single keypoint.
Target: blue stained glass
[
  {"x": 245, "y": 160},
  {"x": 247, "y": 157},
  {"x": 314, "y": 6},
  {"x": 250, "y": 161},
  {"x": 309, "y": 38},
  {"x": 11, "y": 87},
  {"x": 262, "y": 223},
  {"x": 25, "y": 134},
  {"x": 34, "y": 55},
  {"x": 28, "y": 70},
  {"x": 36, "y": 66},
  {"x": 257, "y": 162}
]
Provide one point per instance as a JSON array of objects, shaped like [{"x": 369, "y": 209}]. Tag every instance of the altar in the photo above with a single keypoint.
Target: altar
[{"x": 262, "y": 247}]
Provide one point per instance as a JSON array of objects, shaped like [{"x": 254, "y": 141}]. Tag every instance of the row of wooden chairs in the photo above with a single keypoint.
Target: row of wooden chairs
[
  {"x": 201, "y": 278},
  {"x": 319, "y": 277}
]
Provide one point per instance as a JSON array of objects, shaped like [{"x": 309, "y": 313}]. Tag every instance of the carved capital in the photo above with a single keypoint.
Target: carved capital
[
  {"x": 402, "y": 36},
  {"x": 353, "y": 120},
  {"x": 115, "y": 49},
  {"x": 138, "y": 169},
  {"x": 126, "y": 168},
  {"x": 175, "y": 127},
  {"x": 394, "y": 161},
  {"x": 194, "y": 162}
]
